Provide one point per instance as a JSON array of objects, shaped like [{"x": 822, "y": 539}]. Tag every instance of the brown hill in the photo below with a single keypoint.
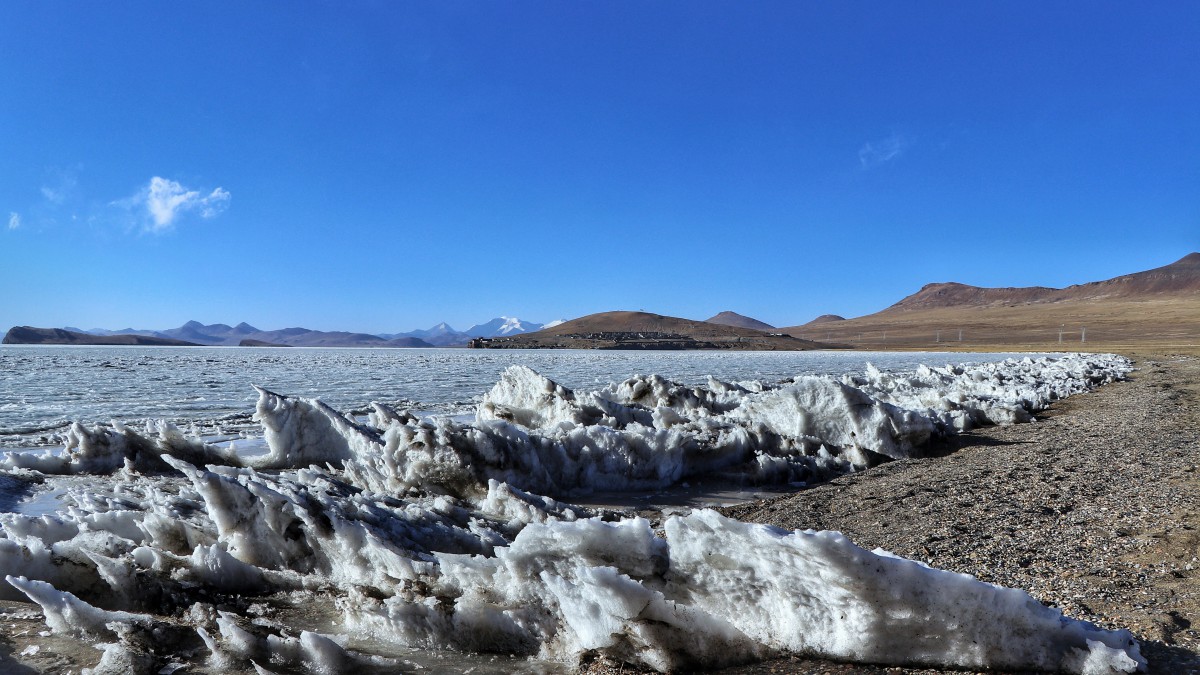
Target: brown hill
[
  {"x": 1156, "y": 308},
  {"x": 728, "y": 318},
  {"x": 825, "y": 318},
  {"x": 951, "y": 294},
  {"x": 28, "y": 335},
  {"x": 642, "y": 330},
  {"x": 1181, "y": 276}
]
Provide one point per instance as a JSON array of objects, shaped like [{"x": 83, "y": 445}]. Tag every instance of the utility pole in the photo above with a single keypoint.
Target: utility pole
[
  {"x": 1083, "y": 333},
  {"x": 938, "y": 338},
  {"x": 960, "y": 335},
  {"x": 1060, "y": 331}
]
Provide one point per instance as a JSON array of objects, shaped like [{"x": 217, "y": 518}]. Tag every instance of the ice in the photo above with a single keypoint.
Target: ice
[
  {"x": 1008, "y": 392},
  {"x": 66, "y": 613},
  {"x": 103, "y": 450},
  {"x": 451, "y": 534},
  {"x": 840, "y": 416}
]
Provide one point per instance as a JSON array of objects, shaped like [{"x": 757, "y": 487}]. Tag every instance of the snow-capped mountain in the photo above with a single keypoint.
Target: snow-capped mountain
[{"x": 503, "y": 325}]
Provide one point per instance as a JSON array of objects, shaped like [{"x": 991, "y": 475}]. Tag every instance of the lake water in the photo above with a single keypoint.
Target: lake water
[{"x": 45, "y": 388}]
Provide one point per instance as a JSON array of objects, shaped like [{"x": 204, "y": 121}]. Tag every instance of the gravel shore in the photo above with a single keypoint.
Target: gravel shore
[{"x": 1091, "y": 509}]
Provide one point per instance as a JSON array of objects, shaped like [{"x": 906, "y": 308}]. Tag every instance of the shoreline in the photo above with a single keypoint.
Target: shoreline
[{"x": 1088, "y": 509}]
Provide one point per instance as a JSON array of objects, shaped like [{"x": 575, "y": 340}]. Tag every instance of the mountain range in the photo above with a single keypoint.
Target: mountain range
[
  {"x": 220, "y": 334},
  {"x": 1158, "y": 307}
]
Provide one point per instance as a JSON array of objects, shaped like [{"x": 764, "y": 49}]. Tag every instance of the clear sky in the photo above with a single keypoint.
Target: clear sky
[{"x": 383, "y": 166}]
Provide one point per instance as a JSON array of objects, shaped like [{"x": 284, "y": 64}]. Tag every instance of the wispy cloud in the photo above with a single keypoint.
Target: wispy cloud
[
  {"x": 63, "y": 186},
  {"x": 14, "y": 220},
  {"x": 881, "y": 152},
  {"x": 163, "y": 202}
]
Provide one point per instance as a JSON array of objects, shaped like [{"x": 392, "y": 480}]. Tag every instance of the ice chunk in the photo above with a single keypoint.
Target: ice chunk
[
  {"x": 66, "y": 613},
  {"x": 104, "y": 450},
  {"x": 714, "y": 591},
  {"x": 301, "y": 432},
  {"x": 817, "y": 592},
  {"x": 838, "y": 415}
]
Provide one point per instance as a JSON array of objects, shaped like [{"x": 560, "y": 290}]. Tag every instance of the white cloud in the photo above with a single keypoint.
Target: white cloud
[
  {"x": 14, "y": 220},
  {"x": 880, "y": 152},
  {"x": 165, "y": 200},
  {"x": 214, "y": 203}
]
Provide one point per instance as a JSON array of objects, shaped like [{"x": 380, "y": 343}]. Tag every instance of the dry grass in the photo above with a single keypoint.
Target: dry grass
[{"x": 1159, "y": 324}]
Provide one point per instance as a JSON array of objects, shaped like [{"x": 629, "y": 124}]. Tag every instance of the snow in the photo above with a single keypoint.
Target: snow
[
  {"x": 501, "y": 326},
  {"x": 436, "y": 533}
]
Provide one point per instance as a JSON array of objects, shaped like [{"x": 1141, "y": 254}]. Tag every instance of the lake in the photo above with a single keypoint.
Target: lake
[{"x": 45, "y": 388}]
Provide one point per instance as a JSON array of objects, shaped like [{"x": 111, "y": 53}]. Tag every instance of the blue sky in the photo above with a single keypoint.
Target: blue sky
[{"x": 382, "y": 166}]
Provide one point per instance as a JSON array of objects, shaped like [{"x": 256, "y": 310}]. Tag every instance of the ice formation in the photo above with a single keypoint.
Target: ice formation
[{"x": 439, "y": 534}]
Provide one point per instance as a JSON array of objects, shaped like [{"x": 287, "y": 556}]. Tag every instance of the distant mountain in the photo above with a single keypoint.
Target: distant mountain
[
  {"x": 825, "y": 318},
  {"x": 28, "y": 335},
  {"x": 1158, "y": 307},
  {"x": 408, "y": 342},
  {"x": 317, "y": 338},
  {"x": 121, "y": 331},
  {"x": 243, "y": 334},
  {"x": 552, "y": 324},
  {"x": 502, "y": 326},
  {"x": 1180, "y": 277},
  {"x": 734, "y": 319},
  {"x": 642, "y": 330},
  {"x": 441, "y": 335},
  {"x": 220, "y": 334}
]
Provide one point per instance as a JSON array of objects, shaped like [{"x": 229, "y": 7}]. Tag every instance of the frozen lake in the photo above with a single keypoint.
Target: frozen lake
[
  {"x": 45, "y": 388},
  {"x": 391, "y": 542}
]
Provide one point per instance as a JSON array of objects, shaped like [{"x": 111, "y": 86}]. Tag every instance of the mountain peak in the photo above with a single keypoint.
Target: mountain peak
[
  {"x": 826, "y": 318},
  {"x": 728, "y": 318},
  {"x": 501, "y": 326}
]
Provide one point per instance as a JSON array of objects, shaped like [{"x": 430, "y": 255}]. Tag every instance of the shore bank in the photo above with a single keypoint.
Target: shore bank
[{"x": 1091, "y": 509}]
